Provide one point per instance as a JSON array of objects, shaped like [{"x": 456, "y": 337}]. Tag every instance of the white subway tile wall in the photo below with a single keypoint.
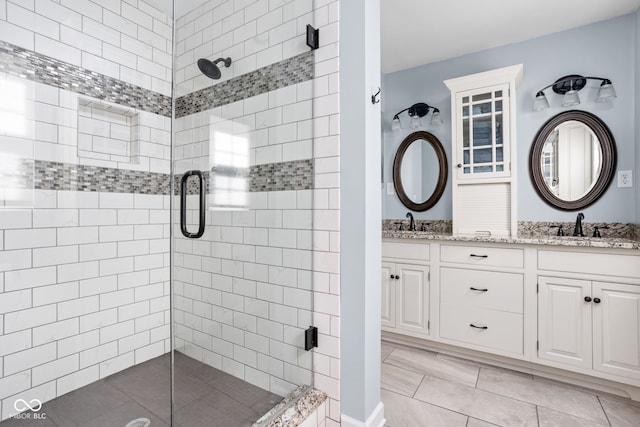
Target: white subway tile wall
[
  {"x": 137, "y": 39},
  {"x": 253, "y": 33},
  {"x": 84, "y": 275},
  {"x": 86, "y": 300}
]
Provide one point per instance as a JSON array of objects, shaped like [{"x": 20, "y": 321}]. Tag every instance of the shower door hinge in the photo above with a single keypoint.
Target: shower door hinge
[
  {"x": 310, "y": 338},
  {"x": 312, "y": 37}
]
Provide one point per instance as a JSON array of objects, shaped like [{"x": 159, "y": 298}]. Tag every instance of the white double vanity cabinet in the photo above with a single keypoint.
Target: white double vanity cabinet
[
  {"x": 526, "y": 306},
  {"x": 562, "y": 307}
]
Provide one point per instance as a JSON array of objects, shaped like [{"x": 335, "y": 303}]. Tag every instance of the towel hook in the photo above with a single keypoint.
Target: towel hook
[{"x": 374, "y": 99}]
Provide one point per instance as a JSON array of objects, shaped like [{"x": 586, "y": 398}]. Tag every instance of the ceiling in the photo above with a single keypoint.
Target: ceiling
[
  {"x": 423, "y": 31},
  {"x": 416, "y": 32}
]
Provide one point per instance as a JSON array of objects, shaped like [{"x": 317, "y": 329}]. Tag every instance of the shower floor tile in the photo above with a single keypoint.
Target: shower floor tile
[{"x": 203, "y": 396}]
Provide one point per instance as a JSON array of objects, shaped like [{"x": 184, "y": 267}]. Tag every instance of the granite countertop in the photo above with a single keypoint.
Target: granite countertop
[
  {"x": 590, "y": 242},
  {"x": 294, "y": 409}
]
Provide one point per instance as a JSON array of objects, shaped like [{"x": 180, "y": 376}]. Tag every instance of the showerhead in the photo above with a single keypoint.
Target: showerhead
[{"x": 210, "y": 69}]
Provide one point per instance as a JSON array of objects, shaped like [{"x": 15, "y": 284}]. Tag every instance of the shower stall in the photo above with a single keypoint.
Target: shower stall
[{"x": 157, "y": 238}]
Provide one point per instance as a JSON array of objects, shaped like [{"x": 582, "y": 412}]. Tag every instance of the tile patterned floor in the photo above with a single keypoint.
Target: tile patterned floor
[
  {"x": 204, "y": 396},
  {"x": 423, "y": 389}
]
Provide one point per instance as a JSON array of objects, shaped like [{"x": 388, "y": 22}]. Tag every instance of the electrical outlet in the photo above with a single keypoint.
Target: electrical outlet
[{"x": 625, "y": 179}]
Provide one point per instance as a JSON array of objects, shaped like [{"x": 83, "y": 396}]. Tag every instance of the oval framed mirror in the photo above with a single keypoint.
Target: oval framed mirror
[
  {"x": 420, "y": 171},
  {"x": 572, "y": 160}
]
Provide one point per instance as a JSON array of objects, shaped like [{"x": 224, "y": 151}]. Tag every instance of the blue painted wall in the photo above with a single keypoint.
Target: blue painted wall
[{"x": 606, "y": 49}]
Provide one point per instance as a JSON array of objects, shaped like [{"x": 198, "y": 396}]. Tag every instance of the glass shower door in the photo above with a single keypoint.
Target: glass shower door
[{"x": 242, "y": 223}]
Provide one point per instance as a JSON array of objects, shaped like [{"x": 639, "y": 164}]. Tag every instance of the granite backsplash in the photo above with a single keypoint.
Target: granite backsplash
[{"x": 527, "y": 229}]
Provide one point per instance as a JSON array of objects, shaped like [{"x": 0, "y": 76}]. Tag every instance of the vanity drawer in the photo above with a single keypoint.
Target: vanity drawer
[
  {"x": 478, "y": 255},
  {"x": 504, "y": 331},
  {"x": 590, "y": 263},
  {"x": 402, "y": 250},
  {"x": 504, "y": 291}
]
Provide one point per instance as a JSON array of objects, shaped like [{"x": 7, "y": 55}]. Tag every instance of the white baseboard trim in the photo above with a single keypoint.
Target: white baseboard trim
[{"x": 376, "y": 419}]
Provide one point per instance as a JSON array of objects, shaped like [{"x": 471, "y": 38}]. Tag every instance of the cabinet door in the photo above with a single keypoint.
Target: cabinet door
[
  {"x": 388, "y": 295},
  {"x": 616, "y": 329},
  {"x": 564, "y": 321},
  {"x": 412, "y": 295},
  {"x": 483, "y": 132}
]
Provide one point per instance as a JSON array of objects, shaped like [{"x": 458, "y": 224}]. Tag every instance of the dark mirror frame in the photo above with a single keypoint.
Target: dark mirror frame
[
  {"x": 442, "y": 177},
  {"x": 609, "y": 159}
]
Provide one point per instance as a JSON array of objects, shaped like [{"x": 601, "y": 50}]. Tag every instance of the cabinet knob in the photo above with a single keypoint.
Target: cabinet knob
[
  {"x": 392, "y": 276},
  {"x": 459, "y": 165},
  {"x": 596, "y": 300},
  {"x": 397, "y": 277},
  {"x": 588, "y": 299}
]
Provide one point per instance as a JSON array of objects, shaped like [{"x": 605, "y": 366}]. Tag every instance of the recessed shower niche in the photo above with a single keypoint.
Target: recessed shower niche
[{"x": 108, "y": 131}]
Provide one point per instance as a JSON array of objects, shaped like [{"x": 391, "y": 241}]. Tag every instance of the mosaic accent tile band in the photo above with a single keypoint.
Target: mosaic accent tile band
[
  {"x": 44, "y": 175},
  {"x": 40, "y": 68},
  {"x": 69, "y": 177},
  {"x": 294, "y": 175},
  {"x": 290, "y": 71}
]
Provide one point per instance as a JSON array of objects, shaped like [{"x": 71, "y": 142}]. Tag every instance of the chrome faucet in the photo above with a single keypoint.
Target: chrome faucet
[
  {"x": 412, "y": 223},
  {"x": 577, "y": 231}
]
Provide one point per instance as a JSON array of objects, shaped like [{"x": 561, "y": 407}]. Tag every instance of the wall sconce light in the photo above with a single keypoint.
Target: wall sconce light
[
  {"x": 416, "y": 112},
  {"x": 569, "y": 86}
]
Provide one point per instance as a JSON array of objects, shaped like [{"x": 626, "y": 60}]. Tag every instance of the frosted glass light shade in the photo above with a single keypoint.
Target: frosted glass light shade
[
  {"x": 415, "y": 122},
  {"x": 541, "y": 102},
  {"x": 606, "y": 92},
  {"x": 436, "y": 120},
  {"x": 395, "y": 124},
  {"x": 571, "y": 99}
]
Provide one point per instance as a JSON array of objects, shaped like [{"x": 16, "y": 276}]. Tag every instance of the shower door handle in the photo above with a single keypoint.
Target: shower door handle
[{"x": 183, "y": 205}]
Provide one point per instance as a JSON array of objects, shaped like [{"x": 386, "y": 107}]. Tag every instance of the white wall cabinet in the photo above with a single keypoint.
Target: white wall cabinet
[
  {"x": 483, "y": 135},
  {"x": 590, "y": 325},
  {"x": 405, "y": 298},
  {"x": 482, "y": 121}
]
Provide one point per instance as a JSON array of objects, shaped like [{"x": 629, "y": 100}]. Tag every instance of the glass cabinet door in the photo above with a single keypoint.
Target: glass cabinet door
[{"x": 484, "y": 151}]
